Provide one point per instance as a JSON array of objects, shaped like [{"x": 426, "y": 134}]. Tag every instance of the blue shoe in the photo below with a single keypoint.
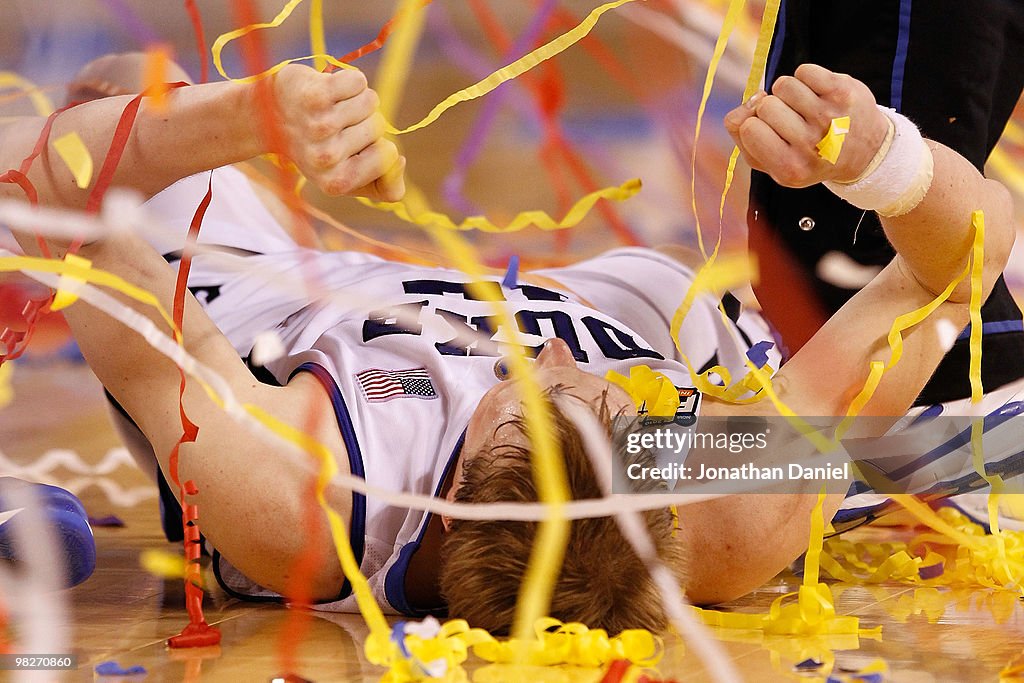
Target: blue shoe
[{"x": 66, "y": 517}]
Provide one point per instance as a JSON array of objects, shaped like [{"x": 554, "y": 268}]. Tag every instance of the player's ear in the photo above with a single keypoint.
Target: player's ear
[{"x": 446, "y": 522}]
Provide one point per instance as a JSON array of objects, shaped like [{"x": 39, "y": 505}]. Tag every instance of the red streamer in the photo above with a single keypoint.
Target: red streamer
[
  {"x": 548, "y": 91},
  {"x": 378, "y": 42},
  {"x": 197, "y": 633},
  {"x": 255, "y": 55},
  {"x": 197, "y": 25}
]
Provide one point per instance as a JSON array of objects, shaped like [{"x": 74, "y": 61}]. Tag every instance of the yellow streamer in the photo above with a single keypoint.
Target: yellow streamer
[
  {"x": 339, "y": 534},
  {"x": 555, "y": 644},
  {"x": 65, "y": 295},
  {"x": 813, "y": 612},
  {"x": 540, "y": 219},
  {"x": 965, "y": 554},
  {"x": 831, "y": 146},
  {"x": 769, "y": 19},
  {"x": 317, "y": 40},
  {"x": 755, "y": 377},
  {"x": 479, "y": 89},
  {"x": 548, "y": 467},
  {"x": 732, "y": 15},
  {"x": 977, "y": 271},
  {"x": 652, "y": 392},
  {"x": 41, "y": 103},
  {"x": 6, "y": 386},
  {"x": 398, "y": 55},
  {"x": 163, "y": 564},
  {"x": 75, "y": 155},
  {"x": 978, "y": 393}
]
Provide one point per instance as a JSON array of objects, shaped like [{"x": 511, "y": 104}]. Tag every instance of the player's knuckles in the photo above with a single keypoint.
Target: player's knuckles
[
  {"x": 314, "y": 97},
  {"x": 820, "y": 79},
  {"x": 342, "y": 180},
  {"x": 735, "y": 118},
  {"x": 350, "y": 82},
  {"x": 319, "y": 128},
  {"x": 747, "y": 133},
  {"x": 372, "y": 98},
  {"x": 363, "y": 106},
  {"x": 325, "y": 156},
  {"x": 787, "y": 88},
  {"x": 388, "y": 154},
  {"x": 773, "y": 110},
  {"x": 791, "y": 170},
  {"x": 378, "y": 125}
]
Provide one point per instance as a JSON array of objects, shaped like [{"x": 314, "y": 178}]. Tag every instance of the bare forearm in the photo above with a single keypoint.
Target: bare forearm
[
  {"x": 202, "y": 127},
  {"x": 934, "y": 239}
]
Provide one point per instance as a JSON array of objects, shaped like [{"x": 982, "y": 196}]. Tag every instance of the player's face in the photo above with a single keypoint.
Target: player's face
[{"x": 554, "y": 368}]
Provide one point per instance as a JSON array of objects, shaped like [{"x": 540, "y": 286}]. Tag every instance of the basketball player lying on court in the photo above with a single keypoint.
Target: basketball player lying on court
[{"x": 413, "y": 406}]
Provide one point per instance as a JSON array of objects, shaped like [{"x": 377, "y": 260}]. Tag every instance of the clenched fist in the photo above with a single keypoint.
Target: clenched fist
[
  {"x": 779, "y": 133},
  {"x": 335, "y": 134}
]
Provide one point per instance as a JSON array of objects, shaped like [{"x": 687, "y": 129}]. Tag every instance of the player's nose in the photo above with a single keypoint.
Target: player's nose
[{"x": 556, "y": 353}]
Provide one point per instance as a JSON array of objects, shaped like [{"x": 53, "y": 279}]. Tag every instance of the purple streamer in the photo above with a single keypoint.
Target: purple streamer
[
  {"x": 453, "y": 184},
  {"x": 132, "y": 22}
]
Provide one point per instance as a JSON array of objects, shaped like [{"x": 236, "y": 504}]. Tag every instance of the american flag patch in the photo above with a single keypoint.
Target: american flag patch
[{"x": 384, "y": 385}]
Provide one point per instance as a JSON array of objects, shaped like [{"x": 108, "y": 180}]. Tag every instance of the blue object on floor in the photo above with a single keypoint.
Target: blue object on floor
[
  {"x": 115, "y": 669},
  {"x": 66, "y": 517}
]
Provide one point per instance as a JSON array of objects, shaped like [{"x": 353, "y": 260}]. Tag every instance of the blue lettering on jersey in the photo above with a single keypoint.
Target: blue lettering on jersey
[
  {"x": 622, "y": 347},
  {"x": 561, "y": 325},
  {"x": 205, "y": 295},
  {"x": 395, "y": 320},
  {"x": 468, "y": 332},
  {"x": 474, "y": 335},
  {"x": 477, "y": 291}
]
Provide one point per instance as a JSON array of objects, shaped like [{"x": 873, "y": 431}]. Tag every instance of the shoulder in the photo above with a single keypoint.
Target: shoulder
[{"x": 684, "y": 255}]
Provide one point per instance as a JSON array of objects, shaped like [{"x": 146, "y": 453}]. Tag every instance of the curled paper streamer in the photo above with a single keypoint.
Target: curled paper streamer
[
  {"x": 651, "y": 391},
  {"x": 75, "y": 155},
  {"x": 41, "y": 103},
  {"x": 831, "y": 146},
  {"x": 956, "y": 553},
  {"x": 812, "y": 614},
  {"x": 539, "y": 219},
  {"x": 479, "y": 89}
]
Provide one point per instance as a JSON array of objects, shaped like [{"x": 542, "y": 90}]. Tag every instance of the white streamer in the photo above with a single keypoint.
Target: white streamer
[{"x": 634, "y": 530}]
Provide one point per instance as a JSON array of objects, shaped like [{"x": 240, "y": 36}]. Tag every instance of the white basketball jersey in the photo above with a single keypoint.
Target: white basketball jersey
[{"x": 406, "y": 352}]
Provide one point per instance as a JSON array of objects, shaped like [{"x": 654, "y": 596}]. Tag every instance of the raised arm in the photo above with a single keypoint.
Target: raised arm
[
  {"x": 334, "y": 134},
  {"x": 778, "y": 134},
  {"x": 330, "y": 122},
  {"x": 744, "y": 540}
]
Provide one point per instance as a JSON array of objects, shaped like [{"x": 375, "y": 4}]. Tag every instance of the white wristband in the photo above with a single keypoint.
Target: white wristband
[{"x": 900, "y": 181}]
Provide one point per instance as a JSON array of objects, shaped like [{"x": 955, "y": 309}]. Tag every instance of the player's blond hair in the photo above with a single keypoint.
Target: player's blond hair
[{"x": 603, "y": 584}]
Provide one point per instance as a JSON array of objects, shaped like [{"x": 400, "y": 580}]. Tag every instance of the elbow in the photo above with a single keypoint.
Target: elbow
[
  {"x": 1000, "y": 232},
  {"x": 1000, "y": 235}
]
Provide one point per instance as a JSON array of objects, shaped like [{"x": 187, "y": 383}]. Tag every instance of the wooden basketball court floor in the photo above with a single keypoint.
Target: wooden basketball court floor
[{"x": 125, "y": 614}]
